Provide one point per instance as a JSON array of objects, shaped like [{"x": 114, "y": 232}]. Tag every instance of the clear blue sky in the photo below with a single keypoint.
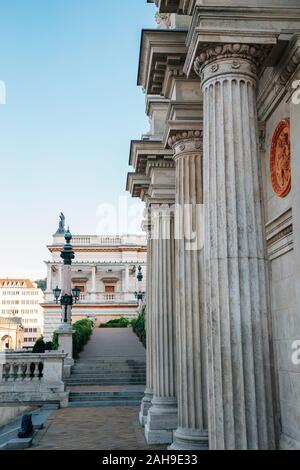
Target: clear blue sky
[{"x": 70, "y": 69}]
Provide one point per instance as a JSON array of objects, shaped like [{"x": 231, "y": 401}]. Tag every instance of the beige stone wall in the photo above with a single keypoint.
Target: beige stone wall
[{"x": 280, "y": 215}]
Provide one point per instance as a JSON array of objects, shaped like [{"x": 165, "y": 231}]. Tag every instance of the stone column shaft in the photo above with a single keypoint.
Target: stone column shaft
[
  {"x": 162, "y": 416},
  {"x": 60, "y": 276},
  {"x": 94, "y": 287},
  {"x": 49, "y": 278},
  {"x": 240, "y": 393},
  {"x": 189, "y": 288},
  {"x": 127, "y": 279}
]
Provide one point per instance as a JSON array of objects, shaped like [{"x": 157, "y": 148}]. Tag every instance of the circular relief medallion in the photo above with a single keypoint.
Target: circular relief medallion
[{"x": 280, "y": 159}]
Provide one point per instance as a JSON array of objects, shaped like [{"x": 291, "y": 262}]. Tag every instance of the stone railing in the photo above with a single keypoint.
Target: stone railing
[
  {"x": 32, "y": 378},
  {"x": 104, "y": 240},
  {"x": 101, "y": 298}
]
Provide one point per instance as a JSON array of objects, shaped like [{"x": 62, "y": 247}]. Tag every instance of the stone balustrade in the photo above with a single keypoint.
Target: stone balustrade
[
  {"x": 32, "y": 378},
  {"x": 102, "y": 298}
]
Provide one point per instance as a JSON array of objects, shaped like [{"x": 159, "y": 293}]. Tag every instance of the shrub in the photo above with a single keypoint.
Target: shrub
[
  {"x": 49, "y": 346},
  {"x": 116, "y": 323},
  {"x": 139, "y": 326},
  {"x": 39, "y": 347},
  {"x": 55, "y": 342},
  {"x": 83, "y": 330}
]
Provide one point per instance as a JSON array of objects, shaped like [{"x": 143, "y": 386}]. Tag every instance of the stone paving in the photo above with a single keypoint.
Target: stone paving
[
  {"x": 114, "y": 428},
  {"x": 100, "y": 428}
]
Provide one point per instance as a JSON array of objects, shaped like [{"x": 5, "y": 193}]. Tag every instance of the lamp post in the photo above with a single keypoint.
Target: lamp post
[{"x": 67, "y": 297}]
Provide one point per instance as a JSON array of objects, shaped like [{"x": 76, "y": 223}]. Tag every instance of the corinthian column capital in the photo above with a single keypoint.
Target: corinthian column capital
[
  {"x": 186, "y": 142},
  {"x": 233, "y": 58}
]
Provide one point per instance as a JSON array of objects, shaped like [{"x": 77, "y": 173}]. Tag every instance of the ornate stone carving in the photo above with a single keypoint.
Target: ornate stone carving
[
  {"x": 280, "y": 159},
  {"x": 186, "y": 141},
  {"x": 244, "y": 58},
  {"x": 163, "y": 20},
  {"x": 290, "y": 67}
]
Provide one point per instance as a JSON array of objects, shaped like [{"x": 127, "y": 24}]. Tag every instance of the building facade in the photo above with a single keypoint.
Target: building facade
[
  {"x": 222, "y": 86},
  {"x": 11, "y": 334},
  {"x": 20, "y": 298},
  {"x": 105, "y": 270}
]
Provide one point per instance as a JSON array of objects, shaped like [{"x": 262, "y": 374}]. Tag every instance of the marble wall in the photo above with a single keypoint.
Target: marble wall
[{"x": 281, "y": 234}]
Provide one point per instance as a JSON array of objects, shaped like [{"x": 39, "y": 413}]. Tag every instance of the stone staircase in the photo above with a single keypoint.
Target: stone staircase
[
  {"x": 102, "y": 382},
  {"x": 97, "y": 399},
  {"x": 108, "y": 372}
]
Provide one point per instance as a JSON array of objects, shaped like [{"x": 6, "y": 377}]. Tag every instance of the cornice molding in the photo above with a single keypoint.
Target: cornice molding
[
  {"x": 137, "y": 184},
  {"x": 142, "y": 150},
  {"x": 180, "y": 7},
  {"x": 100, "y": 250},
  {"x": 159, "y": 49}
]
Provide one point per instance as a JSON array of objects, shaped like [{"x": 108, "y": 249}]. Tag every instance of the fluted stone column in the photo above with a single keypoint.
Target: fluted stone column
[
  {"x": 240, "y": 394},
  {"x": 162, "y": 416},
  {"x": 189, "y": 292},
  {"x": 146, "y": 402}
]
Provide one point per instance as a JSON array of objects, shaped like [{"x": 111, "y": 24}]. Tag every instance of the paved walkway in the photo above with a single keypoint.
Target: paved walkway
[
  {"x": 99, "y": 428},
  {"x": 113, "y": 343},
  {"x": 93, "y": 429}
]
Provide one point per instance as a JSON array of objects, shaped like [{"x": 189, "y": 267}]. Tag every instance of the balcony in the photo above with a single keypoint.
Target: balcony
[
  {"x": 102, "y": 298},
  {"x": 107, "y": 298}
]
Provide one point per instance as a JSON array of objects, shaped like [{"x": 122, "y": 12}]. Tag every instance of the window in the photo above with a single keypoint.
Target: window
[{"x": 110, "y": 289}]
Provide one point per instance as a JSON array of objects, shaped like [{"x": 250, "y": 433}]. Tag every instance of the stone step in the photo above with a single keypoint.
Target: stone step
[
  {"x": 108, "y": 403},
  {"x": 113, "y": 369},
  {"x": 109, "y": 363},
  {"x": 109, "y": 382},
  {"x": 107, "y": 371},
  {"x": 107, "y": 379},
  {"x": 76, "y": 396},
  {"x": 106, "y": 376}
]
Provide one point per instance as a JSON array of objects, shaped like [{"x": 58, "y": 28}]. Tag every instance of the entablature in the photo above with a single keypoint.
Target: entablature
[{"x": 239, "y": 22}]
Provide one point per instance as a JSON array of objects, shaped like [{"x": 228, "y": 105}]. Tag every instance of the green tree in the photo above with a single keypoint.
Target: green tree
[
  {"x": 39, "y": 347},
  {"x": 42, "y": 284}
]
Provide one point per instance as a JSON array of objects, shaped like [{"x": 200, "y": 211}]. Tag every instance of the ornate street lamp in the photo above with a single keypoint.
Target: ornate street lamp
[
  {"x": 140, "y": 276},
  {"x": 140, "y": 295},
  {"x": 56, "y": 293}
]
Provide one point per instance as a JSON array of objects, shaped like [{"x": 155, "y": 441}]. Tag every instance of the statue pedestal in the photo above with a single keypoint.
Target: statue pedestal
[{"x": 65, "y": 345}]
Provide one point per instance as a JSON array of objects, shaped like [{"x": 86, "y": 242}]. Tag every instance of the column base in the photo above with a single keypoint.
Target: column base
[
  {"x": 145, "y": 407},
  {"x": 162, "y": 419},
  {"x": 189, "y": 439}
]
